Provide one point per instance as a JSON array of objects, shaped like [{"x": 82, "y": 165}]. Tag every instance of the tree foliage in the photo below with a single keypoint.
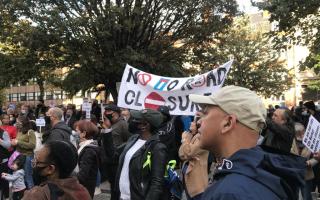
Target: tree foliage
[
  {"x": 28, "y": 52},
  {"x": 256, "y": 65},
  {"x": 98, "y": 37},
  {"x": 298, "y": 22}
]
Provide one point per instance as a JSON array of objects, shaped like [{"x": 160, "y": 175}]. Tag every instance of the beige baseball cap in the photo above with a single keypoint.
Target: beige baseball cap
[{"x": 242, "y": 102}]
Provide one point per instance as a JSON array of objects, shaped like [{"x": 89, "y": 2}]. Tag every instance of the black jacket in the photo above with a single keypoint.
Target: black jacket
[
  {"x": 278, "y": 136},
  {"x": 60, "y": 131},
  {"x": 88, "y": 167},
  {"x": 71, "y": 121},
  {"x": 167, "y": 136},
  {"x": 145, "y": 183}
]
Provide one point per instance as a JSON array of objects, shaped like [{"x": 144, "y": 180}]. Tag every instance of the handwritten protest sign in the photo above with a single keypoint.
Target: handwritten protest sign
[
  {"x": 139, "y": 90},
  {"x": 40, "y": 122},
  {"x": 86, "y": 106},
  {"x": 311, "y": 137}
]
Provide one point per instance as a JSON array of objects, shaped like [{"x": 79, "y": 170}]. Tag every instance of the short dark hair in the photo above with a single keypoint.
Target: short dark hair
[
  {"x": 19, "y": 161},
  {"x": 25, "y": 123},
  {"x": 63, "y": 155}
]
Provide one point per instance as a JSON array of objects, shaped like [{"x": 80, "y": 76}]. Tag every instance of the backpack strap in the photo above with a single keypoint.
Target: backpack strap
[{"x": 55, "y": 191}]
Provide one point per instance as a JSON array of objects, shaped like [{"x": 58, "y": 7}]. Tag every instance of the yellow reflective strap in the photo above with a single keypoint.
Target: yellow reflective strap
[
  {"x": 148, "y": 161},
  {"x": 171, "y": 164}
]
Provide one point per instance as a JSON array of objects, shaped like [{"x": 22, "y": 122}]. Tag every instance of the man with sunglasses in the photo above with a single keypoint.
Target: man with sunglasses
[
  {"x": 52, "y": 168},
  {"x": 233, "y": 118}
]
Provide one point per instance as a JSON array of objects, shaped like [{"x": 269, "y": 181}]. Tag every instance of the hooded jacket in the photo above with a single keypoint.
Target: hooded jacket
[
  {"x": 71, "y": 190},
  {"x": 257, "y": 173},
  {"x": 60, "y": 132}
]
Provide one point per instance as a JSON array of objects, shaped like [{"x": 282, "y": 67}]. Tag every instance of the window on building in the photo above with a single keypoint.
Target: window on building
[
  {"x": 8, "y": 97},
  {"x": 23, "y": 97},
  {"x": 38, "y": 95},
  {"x": 49, "y": 95},
  {"x": 14, "y": 97},
  {"x": 57, "y": 94},
  {"x": 30, "y": 96}
]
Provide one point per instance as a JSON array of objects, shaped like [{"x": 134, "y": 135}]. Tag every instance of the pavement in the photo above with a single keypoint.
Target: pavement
[{"x": 105, "y": 192}]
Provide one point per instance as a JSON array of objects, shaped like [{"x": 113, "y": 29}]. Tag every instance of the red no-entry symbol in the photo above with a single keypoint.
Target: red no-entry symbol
[{"x": 153, "y": 101}]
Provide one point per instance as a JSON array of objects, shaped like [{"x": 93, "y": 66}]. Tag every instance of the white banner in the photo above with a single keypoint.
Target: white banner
[
  {"x": 139, "y": 90},
  {"x": 311, "y": 137}
]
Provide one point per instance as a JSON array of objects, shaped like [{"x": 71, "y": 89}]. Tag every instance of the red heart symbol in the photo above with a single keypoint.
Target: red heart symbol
[{"x": 144, "y": 78}]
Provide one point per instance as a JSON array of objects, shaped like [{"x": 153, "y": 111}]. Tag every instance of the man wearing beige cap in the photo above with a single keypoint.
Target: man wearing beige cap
[{"x": 230, "y": 128}]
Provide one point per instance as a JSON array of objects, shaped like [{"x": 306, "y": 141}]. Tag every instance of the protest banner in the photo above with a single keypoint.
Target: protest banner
[
  {"x": 139, "y": 90},
  {"x": 311, "y": 138}
]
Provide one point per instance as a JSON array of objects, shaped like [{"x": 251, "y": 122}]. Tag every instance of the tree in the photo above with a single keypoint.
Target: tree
[
  {"x": 101, "y": 36},
  {"x": 3, "y": 96},
  {"x": 298, "y": 22},
  {"x": 256, "y": 64},
  {"x": 28, "y": 52}
]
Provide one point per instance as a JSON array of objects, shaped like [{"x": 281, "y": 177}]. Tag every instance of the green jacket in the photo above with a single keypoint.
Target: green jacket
[{"x": 26, "y": 143}]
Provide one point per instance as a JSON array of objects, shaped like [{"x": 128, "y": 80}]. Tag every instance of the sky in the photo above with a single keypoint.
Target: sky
[{"x": 245, "y": 6}]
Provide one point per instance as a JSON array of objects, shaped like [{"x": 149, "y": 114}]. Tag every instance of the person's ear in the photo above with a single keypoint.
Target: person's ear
[
  {"x": 228, "y": 123},
  {"x": 50, "y": 170}
]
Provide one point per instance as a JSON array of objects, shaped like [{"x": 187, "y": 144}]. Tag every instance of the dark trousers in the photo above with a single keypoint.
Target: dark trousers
[
  {"x": 306, "y": 190},
  {"x": 111, "y": 176},
  {"x": 4, "y": 185},
  {"x": 17, "y": 195}
]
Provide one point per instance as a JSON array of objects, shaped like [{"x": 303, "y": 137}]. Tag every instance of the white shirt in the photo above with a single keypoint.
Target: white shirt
[{"x": 124, "y": 183}]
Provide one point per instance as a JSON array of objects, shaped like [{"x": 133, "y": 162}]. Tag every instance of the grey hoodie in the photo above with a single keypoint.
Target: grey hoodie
[{"x": 17, "y": 179}]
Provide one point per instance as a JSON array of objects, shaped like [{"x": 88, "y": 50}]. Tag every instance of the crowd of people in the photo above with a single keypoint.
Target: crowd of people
[{"x": 250, "y": 151}]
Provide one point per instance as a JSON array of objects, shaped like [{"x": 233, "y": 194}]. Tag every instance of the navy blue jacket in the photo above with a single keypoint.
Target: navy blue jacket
[{"x": 257, "y": 173}]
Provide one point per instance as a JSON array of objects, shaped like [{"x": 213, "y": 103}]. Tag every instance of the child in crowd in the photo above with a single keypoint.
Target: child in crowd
[{"x": 17, "y": 178}]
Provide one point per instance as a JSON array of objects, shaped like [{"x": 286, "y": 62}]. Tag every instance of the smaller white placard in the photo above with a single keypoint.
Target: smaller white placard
[
  {"x": 40, "y": 122},
  {"x": 311, "y": 137}
]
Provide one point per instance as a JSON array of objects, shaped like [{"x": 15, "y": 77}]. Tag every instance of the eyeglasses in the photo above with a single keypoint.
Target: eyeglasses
[{"x": 34, "y": 163}]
